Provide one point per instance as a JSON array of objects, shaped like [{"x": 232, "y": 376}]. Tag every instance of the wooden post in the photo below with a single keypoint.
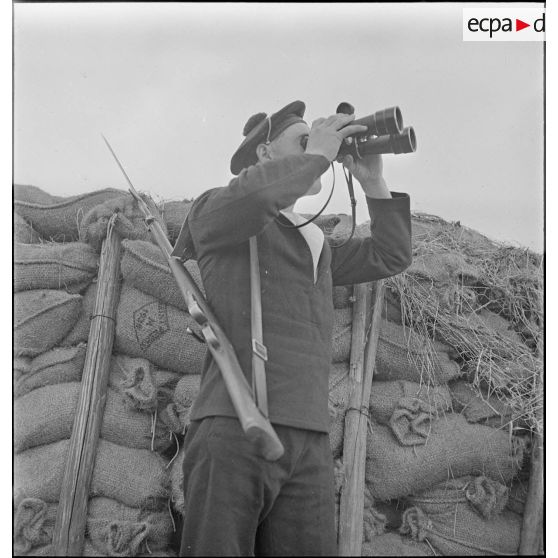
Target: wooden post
[
  {"x": 363, "y": 357},
  {"x": 69, "y": 529},
  {"x": 533, "y": 513}
]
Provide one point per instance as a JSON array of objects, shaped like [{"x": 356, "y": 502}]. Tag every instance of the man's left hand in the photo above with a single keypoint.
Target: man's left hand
[{"x": 368, "y": 171}]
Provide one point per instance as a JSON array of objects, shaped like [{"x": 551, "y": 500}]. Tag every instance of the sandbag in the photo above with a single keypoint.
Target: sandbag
[
  {"x": 185, "y": 394},
  {"x": 33, "y": 524},
  {"x": 90, "y": 550},
  {"x": 444, "y": 267},
  {"x": 404, "y": 355},
  {"x": 142, "y": 386},
  {"x": 480, "y": 407},
  {"x": 113, "y": 528},
  {"x": 56, "y": 366},
  {"x": 80, "y": 331},
  {"x": 460, "y": 531},
  {"x": 144, "y": 267},
  {"x": 21, "y": 367},
  {"x": 129, "y": 221},
  {"x": 60, "y": 221},
  {"x": 135, "y": 477},
  {"x": 393, "y": 544},
  {"x": 342, "y": 334},
  {"x": 42, "y": 318},
  {"x": 454, "y": 447},
  {"x": 47, "y": 415},
  {"x": 486, "y": 496},
  {"x": 119, "y": 530},
  {"x": 23, "y": 232},
  {"x": 33, "y": 194},
  {"x": 174, "y": 214},
  {"x": 408, "y": 408},
  {"x": 384, "y": 397},
  {"x": 495, "y": 324},
  {"x": 53, "y": 266},
  {"x": 151, "y": 329}
]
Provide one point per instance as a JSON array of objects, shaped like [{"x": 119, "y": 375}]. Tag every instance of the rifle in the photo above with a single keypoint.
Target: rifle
[{"x": 256, "y": 427}]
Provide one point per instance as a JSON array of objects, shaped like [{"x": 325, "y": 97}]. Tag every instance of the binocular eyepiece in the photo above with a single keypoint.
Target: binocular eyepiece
[{"x": 385, "y": 133}]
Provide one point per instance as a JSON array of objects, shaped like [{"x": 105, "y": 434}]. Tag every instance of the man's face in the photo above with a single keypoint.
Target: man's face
[{"x": 293, "y": 142}]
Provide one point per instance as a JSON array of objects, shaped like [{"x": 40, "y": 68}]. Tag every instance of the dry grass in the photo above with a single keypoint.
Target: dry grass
[{"x": 482, "y": 274}]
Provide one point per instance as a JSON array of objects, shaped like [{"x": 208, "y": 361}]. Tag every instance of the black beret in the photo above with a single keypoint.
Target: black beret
[{"x": 257, "y": 129}]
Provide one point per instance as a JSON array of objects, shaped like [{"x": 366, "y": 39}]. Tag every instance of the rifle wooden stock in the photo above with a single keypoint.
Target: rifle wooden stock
[{"x": 255, "y": 426}]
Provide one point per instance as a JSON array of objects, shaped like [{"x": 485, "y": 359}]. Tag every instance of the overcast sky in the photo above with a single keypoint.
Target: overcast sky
[{"x": 171, "y": 86}]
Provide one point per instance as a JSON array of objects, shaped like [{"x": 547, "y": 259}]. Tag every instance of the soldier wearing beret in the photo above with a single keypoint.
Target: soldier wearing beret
[{"x": 237, "y": 503}]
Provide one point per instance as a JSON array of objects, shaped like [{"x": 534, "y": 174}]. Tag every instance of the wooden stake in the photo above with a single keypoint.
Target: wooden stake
[
  {"x": 363, "y": 357},
  {"x": 69, "y": 529},
  {"x": 533, "y": 513}
]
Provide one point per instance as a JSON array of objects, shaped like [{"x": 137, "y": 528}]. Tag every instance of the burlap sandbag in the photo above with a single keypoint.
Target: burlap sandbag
[
  {"x": 53, "y": 265},
  {"x": 141, "y": 385},
  {"x": 477, "y": 406},
  {"x": 56, "y": 366},
  {"x": 454, "y": 448},
  {"x": 151, "y": 329},
  {"x": 393, "y": 544},
  {"x": 174, "y": 214},
  {"x": 23, "y": 232},
  {"x": 342, "y": 334},
  {"x": 135, "y": 477},
  {"x": 33, "y": 524},
  {"x": 90, "y": 550},
  {"x": 21, "y": 367},
  {"x": 129, "y": 221},
  {"x": 486, "y": 496},
  {"x": 80, "y": 332},
  {"x": 113, "y": 528},
  {"x": 444, "y": 267},
  {"x": 403, "y": 355},
  {"x": 60, "y": 221},
  {"x": 42, "y": 318},
  {"x": 385, "y": 396},
  {"x": 185, "y": 394},
  {"x": 144, "y": 267},
  {"x": 463, "y": 532},
  {"x": 34, "y": 194},
  {"x": 47, "y": 415},
  {"x": 120, "y": 530}
]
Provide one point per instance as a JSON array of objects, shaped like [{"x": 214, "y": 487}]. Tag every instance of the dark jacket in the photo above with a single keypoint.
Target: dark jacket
[{"x": 297, "y": 313}]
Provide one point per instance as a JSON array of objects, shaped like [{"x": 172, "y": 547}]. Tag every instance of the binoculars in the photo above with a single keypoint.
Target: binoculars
[{"x": 384, "y": 134}]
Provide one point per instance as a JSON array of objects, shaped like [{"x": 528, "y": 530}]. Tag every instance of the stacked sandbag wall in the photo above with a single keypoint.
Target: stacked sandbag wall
[
  {"x": 429, "y": 432},
  {"x": 57, "y": 245},
  {"x": 443, "y": 450}
]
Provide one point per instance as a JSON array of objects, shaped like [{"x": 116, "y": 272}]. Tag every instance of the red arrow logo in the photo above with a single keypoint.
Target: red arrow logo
[{"x": 519, "y": 25}]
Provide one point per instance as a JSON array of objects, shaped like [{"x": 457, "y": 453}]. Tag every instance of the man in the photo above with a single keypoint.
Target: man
[{"x": 236, "y": 503}]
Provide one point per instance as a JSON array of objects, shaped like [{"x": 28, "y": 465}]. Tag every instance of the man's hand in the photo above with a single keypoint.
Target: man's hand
[
  {"x": 368, "y": 171},
  {"x": 327, "y": 134}
]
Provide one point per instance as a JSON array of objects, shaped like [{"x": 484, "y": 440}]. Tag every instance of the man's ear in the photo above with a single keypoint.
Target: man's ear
[{"x": 263, "y": 152}]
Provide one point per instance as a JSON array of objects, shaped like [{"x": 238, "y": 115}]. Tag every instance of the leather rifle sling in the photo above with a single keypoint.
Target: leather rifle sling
[{"x": 259, "y": 351}]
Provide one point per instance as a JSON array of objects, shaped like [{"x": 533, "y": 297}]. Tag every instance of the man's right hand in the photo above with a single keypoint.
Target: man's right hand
[{"x": 327, "y": 134}]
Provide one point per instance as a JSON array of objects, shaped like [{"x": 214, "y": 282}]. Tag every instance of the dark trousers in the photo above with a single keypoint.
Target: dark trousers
[{"x": 238, "y": 504}]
